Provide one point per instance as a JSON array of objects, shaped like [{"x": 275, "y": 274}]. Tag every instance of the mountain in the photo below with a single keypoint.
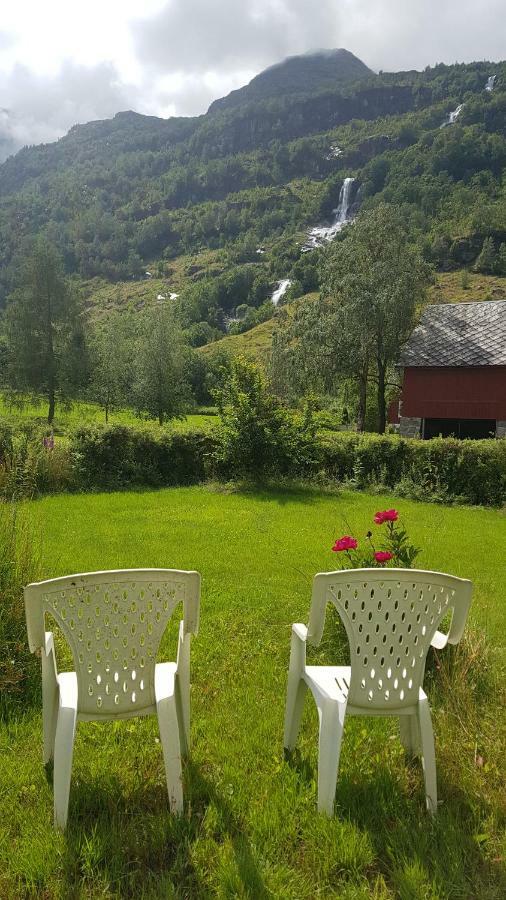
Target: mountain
[
  {"x": 298, "y": 74},
  {"x": 121, "y": 196}
]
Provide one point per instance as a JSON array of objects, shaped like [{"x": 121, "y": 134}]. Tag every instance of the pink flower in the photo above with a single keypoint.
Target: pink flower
[
  {"x": 383, "y": 556},
  {"x": 345, "y": 543},
  {"x": 388, "y": 515}
]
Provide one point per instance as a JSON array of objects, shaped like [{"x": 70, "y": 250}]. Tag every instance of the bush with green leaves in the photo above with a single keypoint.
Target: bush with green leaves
[
  {"x": 28, "y": 467},
  {"x": 257, "y": 436},
  {"x": 120, "y": 456},
  {"x": 19, "y": 564},
  {"x": 443, "y": 469}
]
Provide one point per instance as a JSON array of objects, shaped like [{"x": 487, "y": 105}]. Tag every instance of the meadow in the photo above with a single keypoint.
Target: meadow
[
  {"x": 33, "y": 412},
  {"x": 250, "y": 827}
]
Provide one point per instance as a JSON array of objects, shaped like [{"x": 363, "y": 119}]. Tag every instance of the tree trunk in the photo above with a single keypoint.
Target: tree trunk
[
  {"x": 50, "y": 413},
  {"x": 362, "y": 400},
  {"x": 50, "y": 362},
  {"x": 382, "y": 410},
  {"x": 160, "y": 418},
  {"x": 106, "y": 413}
]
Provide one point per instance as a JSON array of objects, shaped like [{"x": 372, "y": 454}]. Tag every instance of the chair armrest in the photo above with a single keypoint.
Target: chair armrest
[
  {"x": 459, "y": 617},
  {"x": 298, "y": 648},
  {"x": 49, "y": 667},
  {"x": 192, "y": 604},
  {"x": 300, "y": 631}
]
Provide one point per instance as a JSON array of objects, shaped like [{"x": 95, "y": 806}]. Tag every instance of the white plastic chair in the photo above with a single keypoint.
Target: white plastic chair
[
  {"x": 113, "y": 622},
  {"x": 391, "y": 617}
]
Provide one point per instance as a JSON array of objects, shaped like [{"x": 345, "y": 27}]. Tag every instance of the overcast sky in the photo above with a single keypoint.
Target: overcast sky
[{"x": 68, "y": 61}]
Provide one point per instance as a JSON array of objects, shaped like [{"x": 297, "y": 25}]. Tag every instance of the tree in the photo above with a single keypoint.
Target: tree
[
  {"x": 257, "y": 436},
  {"x": 373, "y": 283},
  {"x": 377, "y": 281},
  {"x": 160, "y": 389},
  {"x": 111, "y": 346},
  {"x": 501, "y": 260},
  {"x": 487, "y": 260},
  {"x": 44, "y": 330}
]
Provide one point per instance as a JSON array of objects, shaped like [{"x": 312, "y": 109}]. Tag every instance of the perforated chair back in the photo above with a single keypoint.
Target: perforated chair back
[
  {"x": 390, "y": 617},
  {"x": 113, "y": 622}
]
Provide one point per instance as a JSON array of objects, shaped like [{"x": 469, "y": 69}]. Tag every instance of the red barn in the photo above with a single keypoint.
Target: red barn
[{"x": 455, "y": 372}]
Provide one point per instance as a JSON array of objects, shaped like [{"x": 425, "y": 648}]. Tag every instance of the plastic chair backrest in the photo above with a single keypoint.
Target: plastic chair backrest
[
  {"x": 113, "y": 622},
  {"x": 390, "y": 617}
]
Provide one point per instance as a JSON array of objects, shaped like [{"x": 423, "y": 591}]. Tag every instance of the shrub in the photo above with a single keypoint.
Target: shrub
[
  {"x": 18, "y": 566},
  {"x": 443, "y": 469},
  {"x": 257, "y": 438},
  {"x": 257, "y": 435},
  {"x": 27, "y": 467},
  {"x": 119, "y": 456}
]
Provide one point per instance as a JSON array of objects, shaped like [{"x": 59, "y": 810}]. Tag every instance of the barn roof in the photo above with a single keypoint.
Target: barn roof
[{"x": 459, "y": 334}]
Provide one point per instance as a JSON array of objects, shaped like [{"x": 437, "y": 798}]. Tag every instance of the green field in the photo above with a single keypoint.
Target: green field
[
  {"x": 250, "y": 828},
  {"x": 81, "y": 413}
]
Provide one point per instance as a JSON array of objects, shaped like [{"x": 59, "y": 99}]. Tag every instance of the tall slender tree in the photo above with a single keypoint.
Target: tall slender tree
[
  {"x": 377, "y": 282},
  {"x": 160, "y": 388},
  {"x": 373, "y": 284},
  {"x": 111, "y": 362},
  {"x": 44, "y": 329}
]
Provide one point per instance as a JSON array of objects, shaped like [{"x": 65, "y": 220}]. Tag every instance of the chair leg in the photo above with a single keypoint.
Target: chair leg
[
  {"x": 170, "y": 738},
  {"x": 428, "y": 755},
  {"x": 295, "y": 694},
  {"x": 182, "y": 690},
  {"x": 410, "y": 734},
  {"x": 50, "y": 697},
  {"x": 63, "y": 752},
  {"x": 331, "y": 716}
]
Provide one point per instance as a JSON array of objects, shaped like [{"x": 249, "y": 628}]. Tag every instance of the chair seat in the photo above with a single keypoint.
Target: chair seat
[{"x": 331, "y": 682}]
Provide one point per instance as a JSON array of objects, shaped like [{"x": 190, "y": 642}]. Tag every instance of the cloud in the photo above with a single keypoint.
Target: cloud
[
  {"x": 40, "y": 109},
  {"x": 6, "y": 40},
  {"x": 185, "y": 53},
  {"x": 411, "y": 34},
  {"x": 199, "y": 42},
  {"x": 199, "y": 36}
]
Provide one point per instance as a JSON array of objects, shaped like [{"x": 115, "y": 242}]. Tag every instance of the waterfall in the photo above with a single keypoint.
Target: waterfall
[
  {"x": 317, "y": 236},
  {"x": 344, "y": 201},
  {"x": 280, "y": 291},
  {"x": 490, "y": 83},
  {"x": 452, "y": 116}
]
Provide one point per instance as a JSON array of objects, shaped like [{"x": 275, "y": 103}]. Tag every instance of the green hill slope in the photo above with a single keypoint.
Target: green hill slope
[
  {"x": 126, "y": 195},
  {"x": 255, "y": 344}
]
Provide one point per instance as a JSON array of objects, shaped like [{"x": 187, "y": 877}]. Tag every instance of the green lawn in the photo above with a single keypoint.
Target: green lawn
[
  {"x": 250, "y": 828},
  {"x": 81, "y": 413}
]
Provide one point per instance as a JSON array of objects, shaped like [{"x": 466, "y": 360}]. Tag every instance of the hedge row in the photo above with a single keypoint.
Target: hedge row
[
  {"x": 121, "y": 456},
  {"x": 444, "y": 469},
  {"x": 118, "y": 457}
]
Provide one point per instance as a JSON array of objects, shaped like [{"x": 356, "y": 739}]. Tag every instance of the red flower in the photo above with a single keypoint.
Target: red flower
[
  {"x": 345, "y": 543},
  {"x": 383, "y": 556},
  {"x": 388, "y": 515}
]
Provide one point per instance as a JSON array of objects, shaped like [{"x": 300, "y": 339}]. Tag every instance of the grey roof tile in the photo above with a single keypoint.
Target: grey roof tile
[{"x": 459, "y": 334}]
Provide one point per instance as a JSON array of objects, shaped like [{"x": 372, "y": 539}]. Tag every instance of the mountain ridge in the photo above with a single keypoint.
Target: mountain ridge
[
  {"x": 120, "y": 195},
  {"x": 298, "y": 74}
]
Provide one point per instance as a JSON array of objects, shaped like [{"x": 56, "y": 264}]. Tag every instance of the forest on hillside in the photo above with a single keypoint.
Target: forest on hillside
[{"x": 118, "y": 195}]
